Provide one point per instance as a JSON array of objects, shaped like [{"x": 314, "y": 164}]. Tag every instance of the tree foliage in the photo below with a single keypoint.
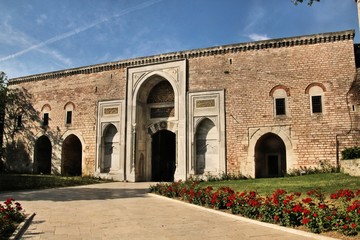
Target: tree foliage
[
  {"x": 309, "y": 2},
  {"x": 19, "y": 123},
  {"x": 3, "y": 90}
]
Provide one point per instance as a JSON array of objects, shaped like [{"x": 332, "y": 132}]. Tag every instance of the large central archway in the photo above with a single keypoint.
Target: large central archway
[
  {"x": 154, "y": 96},
  {"x": 163, "y": 156}
]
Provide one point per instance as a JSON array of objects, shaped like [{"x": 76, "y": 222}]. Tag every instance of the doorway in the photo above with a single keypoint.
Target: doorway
[
  {"x": 270, "y": 156},
  {"x": 42, "y": 158},
  {"x": 163, "y": 157},
  {"x": 71, "y": 157}
]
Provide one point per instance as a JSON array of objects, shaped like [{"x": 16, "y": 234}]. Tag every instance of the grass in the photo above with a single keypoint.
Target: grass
[
  {"x": 10, "y": 182},
  {"x": 324, "y": 182}
]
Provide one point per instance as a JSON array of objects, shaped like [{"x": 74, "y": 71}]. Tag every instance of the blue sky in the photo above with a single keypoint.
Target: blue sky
[{"x": 40, "y": 36}]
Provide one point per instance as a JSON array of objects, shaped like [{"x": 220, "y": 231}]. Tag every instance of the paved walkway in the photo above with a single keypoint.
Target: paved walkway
[{"x": 126, "y": 211}]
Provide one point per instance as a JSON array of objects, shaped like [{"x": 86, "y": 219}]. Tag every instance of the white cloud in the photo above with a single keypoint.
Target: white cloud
[
  {"x": 258, "y": 37},
  {"x": 42, "y": 18},
  {"x": 12, "y": 37},
  {"x": 78, "y": 30},
  {"x": 255, "y": 16}
]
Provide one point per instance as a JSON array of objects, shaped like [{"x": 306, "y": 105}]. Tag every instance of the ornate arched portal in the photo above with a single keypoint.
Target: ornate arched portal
[{"x": 155, "y": 94}]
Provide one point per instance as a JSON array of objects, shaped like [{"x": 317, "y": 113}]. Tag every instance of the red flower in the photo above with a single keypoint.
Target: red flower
[
  {"x": 9, "y": 201},
  {"x": 229, "y": 204},
  {"x": 286, "y": 201},
  {"x": 334, "y": 196},
  {"x": 287, "y": 210},
  {"x": 276, "y": 218},
  {"x": 322, "y": 206},
  {"x": 353, "y": 225},
  {"x": 297, "y": 208},
  {"x": 280, "y": 192},
  {"x": 307, "y": 200},
  {"x": 306, "y": 212},
  {"x": 305, "y": 220}
]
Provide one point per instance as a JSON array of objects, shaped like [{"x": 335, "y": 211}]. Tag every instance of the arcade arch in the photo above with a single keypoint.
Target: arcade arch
[{"x": 71, "y": 156}]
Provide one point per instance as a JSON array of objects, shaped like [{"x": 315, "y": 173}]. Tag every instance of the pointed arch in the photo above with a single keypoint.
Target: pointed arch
[
  {"x": 71, "y": 156},
  {"x": 270, "y": 156},
  {"x": 206, "y": 147},
  {"x": 110, "y": 149},
  {"x": 42, "y": 155}
]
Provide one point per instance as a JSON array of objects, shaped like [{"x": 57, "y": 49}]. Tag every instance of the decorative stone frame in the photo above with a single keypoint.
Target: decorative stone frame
[
  {"x": 111, "y": 113},
  {"x": 138, "y": 139},
  {"x": 284, "y": 132},
  {"x": 202, "y": 105}
]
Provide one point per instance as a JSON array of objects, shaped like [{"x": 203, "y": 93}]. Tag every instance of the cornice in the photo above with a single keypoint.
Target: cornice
[{"x": 195, "y": 53}]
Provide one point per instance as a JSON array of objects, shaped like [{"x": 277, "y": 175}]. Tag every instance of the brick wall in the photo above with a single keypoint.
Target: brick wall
[
  {"x": 250, "y": 76},
  {"x": 247, "y": 75},
  {"x": 84, "y": 91}
]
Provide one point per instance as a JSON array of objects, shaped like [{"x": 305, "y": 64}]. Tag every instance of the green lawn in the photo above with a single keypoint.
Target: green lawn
[
  {"x": 324, "y": 182},
  {"x": 9, "y": 182}
]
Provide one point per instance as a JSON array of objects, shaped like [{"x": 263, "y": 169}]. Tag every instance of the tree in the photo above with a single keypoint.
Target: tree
[
  {"x": 3, "y": 90},
  {"x": 19, "y": 121},
  {"x": 309, "y": 2}
]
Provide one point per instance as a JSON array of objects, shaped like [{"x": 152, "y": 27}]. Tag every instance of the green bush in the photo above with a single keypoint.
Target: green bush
[{"x": 351, "y": 153}]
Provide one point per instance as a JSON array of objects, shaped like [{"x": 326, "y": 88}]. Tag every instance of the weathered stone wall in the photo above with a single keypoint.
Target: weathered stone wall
[{"x": 351, "y": 167}]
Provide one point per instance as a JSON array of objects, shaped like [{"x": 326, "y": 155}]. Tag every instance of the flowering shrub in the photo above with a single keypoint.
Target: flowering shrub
[
  {"x": 11, "y": 214},
  {"x": 339, "y": 212}
]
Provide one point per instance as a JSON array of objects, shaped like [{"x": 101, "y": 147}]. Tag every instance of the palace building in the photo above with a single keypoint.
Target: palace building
[{"x": 260, "y": 109}]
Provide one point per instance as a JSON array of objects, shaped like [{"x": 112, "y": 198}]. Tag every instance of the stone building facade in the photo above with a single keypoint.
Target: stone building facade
[{"x": 260, "y": 109}]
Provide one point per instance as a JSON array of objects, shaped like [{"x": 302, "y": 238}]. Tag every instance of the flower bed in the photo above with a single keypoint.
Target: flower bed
[
  {"x": 338, "y": 212},
  {"x": 11, "y": 214}
]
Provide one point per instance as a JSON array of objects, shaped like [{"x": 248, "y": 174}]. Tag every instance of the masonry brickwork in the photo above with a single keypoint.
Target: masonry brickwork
[{"x": 249, "y": 74}]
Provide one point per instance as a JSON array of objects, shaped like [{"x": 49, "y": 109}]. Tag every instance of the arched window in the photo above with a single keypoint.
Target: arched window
[
  {"x": 45, "y": 113},
  {"x": 280, "y": 95},
  {"x": 19, "y": 119},
  {"x": 69, "y": 108},
  {"x": 316, "y": 93}
]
